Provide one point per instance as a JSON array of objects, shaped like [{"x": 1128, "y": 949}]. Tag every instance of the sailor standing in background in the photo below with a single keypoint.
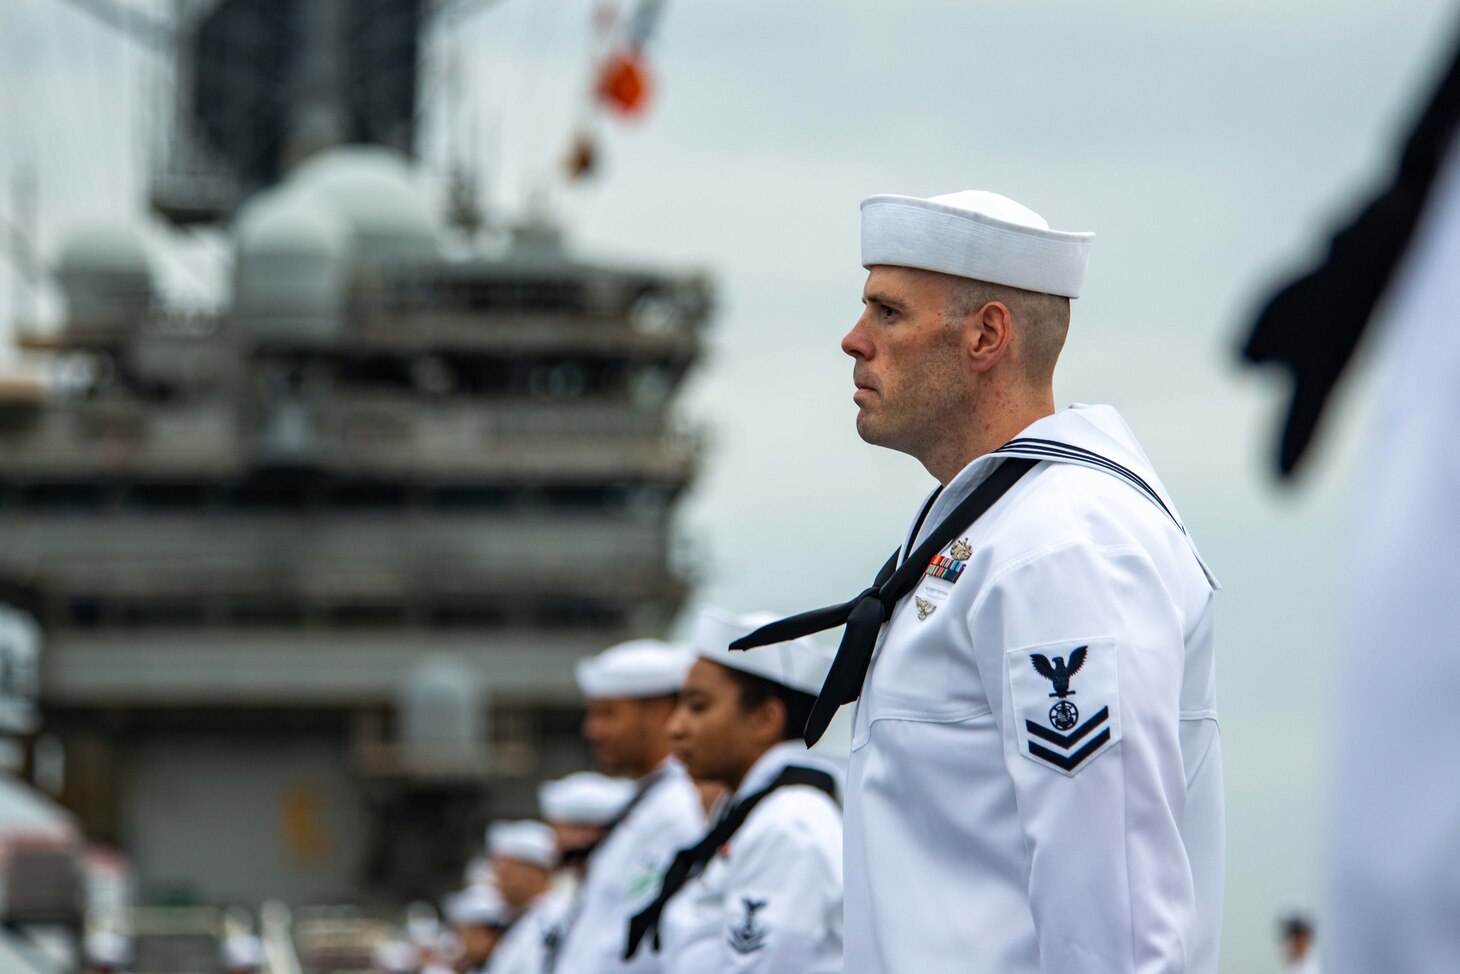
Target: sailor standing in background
[
  {"x": 631, "y": 690},
  {"x": 479, "y": 918},
  {"x": 1035, "y": 782},
  {"x": 580, "y": 809},
  {"x": 762, "y": 890},
  {"x": 523, "y": 856}
]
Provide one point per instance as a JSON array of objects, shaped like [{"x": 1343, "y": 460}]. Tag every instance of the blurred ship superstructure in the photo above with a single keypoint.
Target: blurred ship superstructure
[{"x": 313, "y": 572}]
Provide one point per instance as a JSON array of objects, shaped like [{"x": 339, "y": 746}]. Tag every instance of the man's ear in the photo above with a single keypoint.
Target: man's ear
[{"x": 987, "y": 333}]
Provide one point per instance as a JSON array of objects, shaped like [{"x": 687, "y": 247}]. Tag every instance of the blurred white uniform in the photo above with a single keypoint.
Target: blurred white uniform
[
  {"x": 523, "y": 949},
  {"x": 1035, "y": 782},
  {"x": 771, "y": 899},
  {"x": 623, "y": 874},
  {"x": 1395, "y": 828}
]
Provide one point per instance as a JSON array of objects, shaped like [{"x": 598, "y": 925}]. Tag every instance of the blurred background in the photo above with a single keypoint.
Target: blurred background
[{"x": 367, "y": 362}]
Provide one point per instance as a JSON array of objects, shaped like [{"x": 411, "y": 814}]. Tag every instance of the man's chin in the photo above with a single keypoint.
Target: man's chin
[{"x": 868, "y": 430}]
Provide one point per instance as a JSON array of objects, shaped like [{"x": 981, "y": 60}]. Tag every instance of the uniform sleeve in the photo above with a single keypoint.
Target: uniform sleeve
[
  {"x": 782, "y": 898},
  {"x": 1087, "y": 650}
]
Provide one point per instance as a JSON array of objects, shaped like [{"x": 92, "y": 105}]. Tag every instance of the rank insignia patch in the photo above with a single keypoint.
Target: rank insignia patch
[
  {"x": 747, "y": 935},
  {"x": 1050, "y": 685},
  {"x": 945, "y": 568}
]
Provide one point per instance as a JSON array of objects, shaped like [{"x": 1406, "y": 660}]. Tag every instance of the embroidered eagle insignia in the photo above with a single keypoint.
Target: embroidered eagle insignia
[
  {"x": 1059, "y": 673},
  {"x": 747, "y": 936},
  {"x": 925, "y": 608},
  {"x": 961, "y": 550}
]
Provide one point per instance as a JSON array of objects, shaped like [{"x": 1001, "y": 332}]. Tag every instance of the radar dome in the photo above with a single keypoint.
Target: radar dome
[
  {"x": 105, "y": 276},
  {"x": 292, "y": 261},
  {"x": 379, "y": 196}
]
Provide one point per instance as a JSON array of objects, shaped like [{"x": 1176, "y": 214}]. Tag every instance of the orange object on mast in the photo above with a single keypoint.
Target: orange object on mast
[{"x": 623, "y": 83}]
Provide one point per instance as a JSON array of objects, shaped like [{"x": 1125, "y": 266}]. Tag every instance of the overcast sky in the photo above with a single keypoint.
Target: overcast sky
[{"x": 1207, "y": 145}]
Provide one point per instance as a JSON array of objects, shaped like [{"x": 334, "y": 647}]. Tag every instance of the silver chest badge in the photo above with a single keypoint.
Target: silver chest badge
[{"x": 925, "y": 608}]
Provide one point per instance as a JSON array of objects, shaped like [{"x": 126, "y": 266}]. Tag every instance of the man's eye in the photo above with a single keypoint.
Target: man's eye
[{"x": 886, "y": 313}]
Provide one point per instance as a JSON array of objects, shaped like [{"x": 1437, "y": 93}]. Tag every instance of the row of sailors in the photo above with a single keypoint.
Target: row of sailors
[{"x": 712, "y": 842}]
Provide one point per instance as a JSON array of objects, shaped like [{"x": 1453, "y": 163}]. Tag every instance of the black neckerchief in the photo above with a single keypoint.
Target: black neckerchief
[{"x": 689, "y": 862}]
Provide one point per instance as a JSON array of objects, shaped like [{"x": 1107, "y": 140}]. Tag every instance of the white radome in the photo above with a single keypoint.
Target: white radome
[
  {"x": 292, "y": 260},
  {"x": 290, "y": 221},
  {"x": 374, "y": 189}
]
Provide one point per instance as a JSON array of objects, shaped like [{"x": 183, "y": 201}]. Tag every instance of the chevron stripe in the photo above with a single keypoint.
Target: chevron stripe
[
  {"x": 1073, "y": 761},
  {"x": 1067, "y": 741}
]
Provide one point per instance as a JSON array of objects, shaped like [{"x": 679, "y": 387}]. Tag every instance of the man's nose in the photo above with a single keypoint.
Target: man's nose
[{"x": 855, "y": 342}]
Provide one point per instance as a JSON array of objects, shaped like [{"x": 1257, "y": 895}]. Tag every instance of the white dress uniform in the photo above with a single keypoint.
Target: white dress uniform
[
  {"x": 624, "y": 870},
  {"x": 771, "y": 899},
  {"x": 1036, "y": 779},
  {"x": 523, "y": 949},
  {"x": 1395, "y": 802}
]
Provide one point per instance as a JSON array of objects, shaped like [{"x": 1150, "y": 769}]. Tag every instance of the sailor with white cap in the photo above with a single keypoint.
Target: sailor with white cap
[
  {"x": 631, "y": 690},
  {"x": 480, "y": 917},
  {"x": 1035, "y": 781},
  {"x": 524, "y": 855},
  {"x": 762, "y": 890},
  {"x": 580, "y": 809}
]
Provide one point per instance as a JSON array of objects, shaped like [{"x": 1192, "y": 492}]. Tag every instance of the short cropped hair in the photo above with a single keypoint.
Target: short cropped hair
[{"x": 1043, "y": 320}]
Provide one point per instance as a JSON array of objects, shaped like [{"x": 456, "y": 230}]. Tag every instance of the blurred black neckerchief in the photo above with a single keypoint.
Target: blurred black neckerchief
[{"x": 1313, "y": 324}]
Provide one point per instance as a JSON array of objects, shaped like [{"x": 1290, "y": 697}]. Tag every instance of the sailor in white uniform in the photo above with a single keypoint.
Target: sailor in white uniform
[
  {"x": 762, "y": 890},
  {"x": 580, "y": 809},
  {"x": 631, "y": 690},
  {"x": 1035, "y": 781},
  {"x": 524, "y": 855},
  {"x": 479, "y": 918}
]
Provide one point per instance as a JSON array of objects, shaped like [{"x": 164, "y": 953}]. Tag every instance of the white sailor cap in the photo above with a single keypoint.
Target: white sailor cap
[
  {"x": 106, "y": 948},
  {"x": 477, "y": 906},
  {"x": 637, "y": 669},
  {"x": 800, "y": 664},
  {"x": 242, "y": 952},
  {"x": 585, "y": 798},
  {"x": 975, "y": 234},
  {"x": 525, "y": 841},
  {"x": 396, "y": 957}
]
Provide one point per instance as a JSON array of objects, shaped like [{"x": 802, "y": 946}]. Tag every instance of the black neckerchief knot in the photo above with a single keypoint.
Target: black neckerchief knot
[{"x": 864, "y": 615}]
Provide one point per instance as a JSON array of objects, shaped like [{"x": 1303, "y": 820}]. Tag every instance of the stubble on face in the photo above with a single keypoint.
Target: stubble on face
[{"x": 913, "y": 386}]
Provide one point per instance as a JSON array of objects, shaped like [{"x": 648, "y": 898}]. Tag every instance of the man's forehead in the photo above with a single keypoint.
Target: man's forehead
[{"x": 890, "y": 282}]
